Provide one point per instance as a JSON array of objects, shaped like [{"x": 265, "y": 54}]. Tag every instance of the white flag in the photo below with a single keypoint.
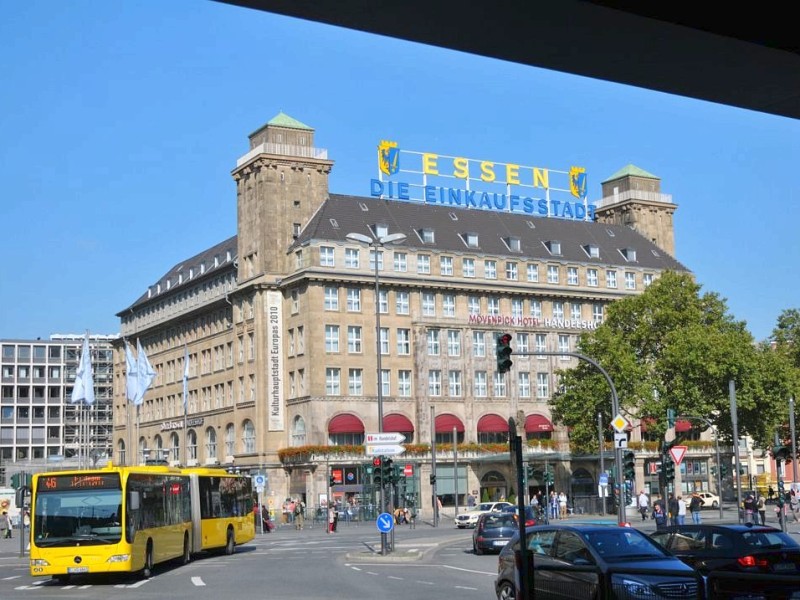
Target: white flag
[
  {"x": 144, "y": 373},
  {"x": 83, "y": 389},
  {"x": 131, "y": 378},
  {"x": 185, "y": 378}
]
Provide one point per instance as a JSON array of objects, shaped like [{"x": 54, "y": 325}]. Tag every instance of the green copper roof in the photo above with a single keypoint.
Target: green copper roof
[
  {"x": 629, "y": 170},
  {"x": 284, "y": 120}
]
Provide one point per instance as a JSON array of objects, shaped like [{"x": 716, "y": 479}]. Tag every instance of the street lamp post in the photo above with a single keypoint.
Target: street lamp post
[{"x": 376, "y": 242}]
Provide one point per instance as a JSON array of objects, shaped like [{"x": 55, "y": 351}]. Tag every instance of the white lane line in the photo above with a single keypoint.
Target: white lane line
[
  {"x": 425, "y": 582},
  {"x": 464, "y": 587},
  {"x": 398, "y": 578},
  {"x": 138, "y": 583},
  {"x": 198, "y": 581}
]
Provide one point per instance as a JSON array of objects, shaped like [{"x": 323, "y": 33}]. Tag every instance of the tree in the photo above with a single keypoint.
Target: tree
[{"x": 669, "y": 347}]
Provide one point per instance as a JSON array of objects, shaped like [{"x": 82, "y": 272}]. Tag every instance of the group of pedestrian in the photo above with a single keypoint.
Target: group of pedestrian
[
  {"x": 755, "y": 509},
  {"x": 672, "y": 513},
  {"x": 557, "y": 504}
]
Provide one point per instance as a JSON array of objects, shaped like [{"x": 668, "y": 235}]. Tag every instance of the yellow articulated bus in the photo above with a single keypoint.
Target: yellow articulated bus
[{"x": 127, "y": 519}]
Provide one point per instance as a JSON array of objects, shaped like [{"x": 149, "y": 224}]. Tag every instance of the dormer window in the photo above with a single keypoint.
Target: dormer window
[
  {"x": 380, "y": 230},
  {"x": 628, "y": 254},
  {"x": 426, "y": 236},
  {"x": 553, "y": 247},
  {"x": 513, "y": 243},
  {"x": 470, "y": 239},
  {"x": 591, "y": 250}
]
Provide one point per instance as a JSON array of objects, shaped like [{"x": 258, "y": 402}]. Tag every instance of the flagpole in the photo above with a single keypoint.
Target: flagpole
[{"x": 185, "y": 383}]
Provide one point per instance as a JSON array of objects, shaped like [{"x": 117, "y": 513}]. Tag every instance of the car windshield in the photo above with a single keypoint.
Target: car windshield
[
  {"x": 623, "y": 544},
  {"x": 496, "y": 520},
  {"x": 485, "y": 506}
]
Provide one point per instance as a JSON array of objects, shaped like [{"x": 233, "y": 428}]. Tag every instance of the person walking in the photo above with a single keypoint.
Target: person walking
[
  {"x": 299, "y": 514},
  {"x": 644, "y": 505},
  {"x": 695, "y": 504},
  {"x": 470, "y": 501},
  {"x": 794, "y": 505},
  {"x": 681, "y": 510},
  {"x": 659, "y": 516},
  {"x": 749, "y": 506},
  {"x": 672, "y": 508},
  {"x": 553, "y": 503},
  {"x": 331, "y": 519},
  {"x": 761, "y": 507},
  {"x": 5, "y": 525},
  {"x": 562, "y": 506}
]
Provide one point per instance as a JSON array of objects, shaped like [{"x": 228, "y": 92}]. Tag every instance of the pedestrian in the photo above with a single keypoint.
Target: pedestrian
[
  {"x": 267, "y": 525},
  {"x": 299, "y": 514},
  {"x": 644, "y": 505},
  {"x": 553, "y": 505},
  {"x": 749, "y": 506},
  {"x": 5, "y": 525},
  {"x": 770, "y": 492},
  {"x": 470, "y": 501},
  {"x": 794, "y": 505},
  {"x": 695, "y": 504},
  {"x": 761, "y": 507},
  {"x": 659, "y": 516},
  {"x": 331, "y": 519},
  {"x": 672, "y": 508},
  {"x": 562, "y": 506},
  {"x": 681, "y": 510}
]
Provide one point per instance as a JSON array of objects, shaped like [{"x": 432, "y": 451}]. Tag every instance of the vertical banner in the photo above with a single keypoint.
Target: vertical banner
[{"x": 275, "y": 414}]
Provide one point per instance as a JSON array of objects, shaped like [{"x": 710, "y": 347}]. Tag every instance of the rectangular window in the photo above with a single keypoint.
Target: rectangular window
[
  {"x": 332, "y": 382},
  {"x": 478, "y": 343},
  {"x": 383, "y": 302},
  {"x": 512, "y": 274},
  {"x": 647, "y": 279},
  {"x": 331, "y": 338},
  {"x": 434, "y": 382},
  {"x": 401, "y": 302},
  {"x": 575, "y": 311},
  {"x": 326, "y": 256},
  {"x": 404, "y": 342},
  {"x": 611, "y": 279},
  {"x": 453, "y": 342},
  {"x": 474, "y": 305},
  {"x": 400, "y": 262},
  {"x": 541, "y": 344},
  {"x": 542, "y": 386},
  {"x": 563, "y": 344},
  {"x": 552, "y": 273},
  {"x": 386, "y": 379},
  {"x": 532, "y": 271},
  {"x": 597, "y": 312},
  {"x": 428, "y": 304},
  {"x": 524, "y": 384},
  {"x": 479, "y": 384},
  {"x": 404, "y": 383},
  {"x": 454, "y": 383},
  {"x": 331, "y": 298},
  {"x": 353, "y": 300},
  {"x": 558, "y": 309},
  {"x": 490, "y": 269},
  {"x": 591, "y": 278},
  {"x": 517, "y": 308},
  {"x": 423, "y": 264},
  {"x": 500, "y": 390},
  {"x": 446, "y": 265},
  {"x": 630, "y": 280},
  {"x": 494, "y": 305},
  {"x": 352, "y": 258},
  {"x": 384, "y": 340},
  {"x": 372, "y": 254},
  {"x": 355, "y": 382},
  {"x": 354, "y": 339},
  {"x": 468, "y": 267},
  {"x": 522, "y": 342},
  {"x": 448, "y": 305},
  {"x": 536, "y": 309},
  {"x": 433, "y": 342},
  {"x": 295, "y": 302},
  {"x": 572, "y": 275}
]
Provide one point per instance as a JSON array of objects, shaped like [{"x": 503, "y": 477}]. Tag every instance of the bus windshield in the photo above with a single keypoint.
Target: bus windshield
[{"x": 70, "y": 511}]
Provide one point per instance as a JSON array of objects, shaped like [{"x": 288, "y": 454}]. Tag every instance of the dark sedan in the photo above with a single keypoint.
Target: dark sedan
[
  {"x": 493, "y": 531},
  {"x": 752, "y": 561},
  {"x": 530, "y": 517},
  {"x": 595, "y": 562}
]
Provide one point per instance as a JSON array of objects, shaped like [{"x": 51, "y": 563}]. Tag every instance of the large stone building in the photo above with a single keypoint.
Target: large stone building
[{"x": 280, "y": 326}]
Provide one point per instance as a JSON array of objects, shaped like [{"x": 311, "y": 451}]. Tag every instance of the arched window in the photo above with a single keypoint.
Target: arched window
[
  {"x": 211, "y": 444},
  {"x": 345, "y": 429},
  {"x": 583, "y": 483},
  {"x": 230, "y": 440},
  {"x": 298, "y": 431},
  {"x": 191, "y": 445},
  {"x": 174, "y": 446},
  {"x": 538, "y": 427},
  {"x": 493, "y": 487},
  {"x": 445, "y": 424},
  {"x": 143, "y": 451},
  {"x": 248, "y": 437},
  {"x": 492, "y": 429},
  {"x": 399, "y": 424},
  {"x": 121, "y": 452}
]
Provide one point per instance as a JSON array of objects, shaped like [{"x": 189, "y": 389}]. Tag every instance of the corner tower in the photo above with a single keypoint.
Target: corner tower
[
  {"x": 633, "y": 197},
  {"x": 280, "y": 183}
]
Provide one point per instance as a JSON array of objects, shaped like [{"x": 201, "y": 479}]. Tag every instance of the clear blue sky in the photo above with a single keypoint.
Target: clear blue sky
[{"x": 120, "y": 123}]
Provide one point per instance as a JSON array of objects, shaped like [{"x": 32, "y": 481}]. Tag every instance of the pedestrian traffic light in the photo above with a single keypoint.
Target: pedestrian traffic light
[
  {"x": 548, "y": 476},
  {"x": 669, "y": 468},
  {"x": 629, "y": 466},
  {"x": 670, "y": 418},
  {"x": 388, "y": 470},
  {"x": 628, "y": 492},
  {"x": 433, "y": 479},
  {"x": 332, "y": 481},
  {"x": 15, "y": 480},
  {"x": 530, "y": 472},
  {"x": 377, "y": 471},
  {"x": 723, "y": 470},
  {"x": 504, "y": 352}
]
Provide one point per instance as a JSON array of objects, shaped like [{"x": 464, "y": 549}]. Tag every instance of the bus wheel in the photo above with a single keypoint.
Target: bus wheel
[
  {"x": 187, "y": 556},
  {"x": 230, "y": 544},
  {"x": 63, "y": 579},
  {"x": 147, "y": 572}
]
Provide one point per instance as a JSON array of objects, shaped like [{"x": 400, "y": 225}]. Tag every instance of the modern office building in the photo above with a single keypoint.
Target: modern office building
[
  {"x": 39, "y": 426},
  {"x": 285, "y": 344}
]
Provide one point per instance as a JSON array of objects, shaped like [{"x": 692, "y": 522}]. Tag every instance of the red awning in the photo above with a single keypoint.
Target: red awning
[
  {"x": 534, "y": 423},
  {"x": 682, "y": 426},
  {"x": 492, "y": 424},
  {"x": 644, "y": 423},
  {"x": 397, "y": 423},
  {"x": 345, "y": 424},
  {"x": 445, "y": 424}
]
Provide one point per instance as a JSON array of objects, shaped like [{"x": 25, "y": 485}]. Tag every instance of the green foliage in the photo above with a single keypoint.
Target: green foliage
[
  {"x": 512, "y": 496},
  {"x": 485, "y": 495},
  {"x": 673, "y": 347}
]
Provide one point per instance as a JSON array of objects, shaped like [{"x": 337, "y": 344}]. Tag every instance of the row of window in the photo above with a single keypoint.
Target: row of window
[
  {"x": 38, "y": 352},
  {"x": 171, "y": 450},
  {"x": 488, "y": 268},
  {"x": 433, "y": 304}
]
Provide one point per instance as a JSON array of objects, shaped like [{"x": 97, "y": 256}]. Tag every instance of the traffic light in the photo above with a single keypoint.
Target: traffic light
[
  {"x": 723, "y": 470},
  {"x": 504, "y": 352},
  {"x": 669, "y": 468},
  {"x": 628, "y": 492},
  {"x": 433, "y": 479},
  {"x": 15, "y": 480},
  {"x": 377, "y": 471},
  {"x": 713, "y": 470},
  {"x": 548, "y": 476},
  {"x": 670, "y": 418},
  {"x": 629, "y": 466},
  {"x": 530, "y": 472},
  {"x": 781, "y": 453},
  {"x": 388, "y": 471},
  {"x": 332, "y": 481}
]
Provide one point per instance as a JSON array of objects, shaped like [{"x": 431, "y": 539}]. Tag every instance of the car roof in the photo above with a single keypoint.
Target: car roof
[{"x": 732, "y": 527}]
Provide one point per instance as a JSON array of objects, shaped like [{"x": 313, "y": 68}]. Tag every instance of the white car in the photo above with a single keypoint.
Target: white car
[
  {"x": 709, "y": 500},
  {"x": 470, "y": 518}
]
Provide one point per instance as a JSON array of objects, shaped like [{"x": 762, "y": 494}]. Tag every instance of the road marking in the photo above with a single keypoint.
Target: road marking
[
  {"x": 463, "y": 587},
  {"x": 395, "y": 577},
  {"x": 198, "y": 581}
]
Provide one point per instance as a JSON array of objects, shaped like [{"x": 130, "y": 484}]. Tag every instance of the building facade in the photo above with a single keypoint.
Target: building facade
[
  {"x": 39, "y": 426},
  {"x": 298, "y": 334}
]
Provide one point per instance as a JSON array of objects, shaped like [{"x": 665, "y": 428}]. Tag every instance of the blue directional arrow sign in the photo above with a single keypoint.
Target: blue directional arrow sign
[{"x": 385, "y": 522}]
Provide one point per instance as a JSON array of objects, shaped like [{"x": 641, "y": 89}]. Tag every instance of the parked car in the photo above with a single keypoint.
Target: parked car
[
  {"x": 726, "y": 553},
  {"x": 493, "y": 531},
  {"x": 530, "y": 516},
  {"x": 709, "y": 500},
  {"x": 594, "y": 561},
  {"x": 470, "y": 517}
]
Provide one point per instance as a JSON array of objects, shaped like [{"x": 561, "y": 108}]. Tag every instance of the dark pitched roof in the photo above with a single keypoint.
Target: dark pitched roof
[{"x": 341, "y": 215}]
